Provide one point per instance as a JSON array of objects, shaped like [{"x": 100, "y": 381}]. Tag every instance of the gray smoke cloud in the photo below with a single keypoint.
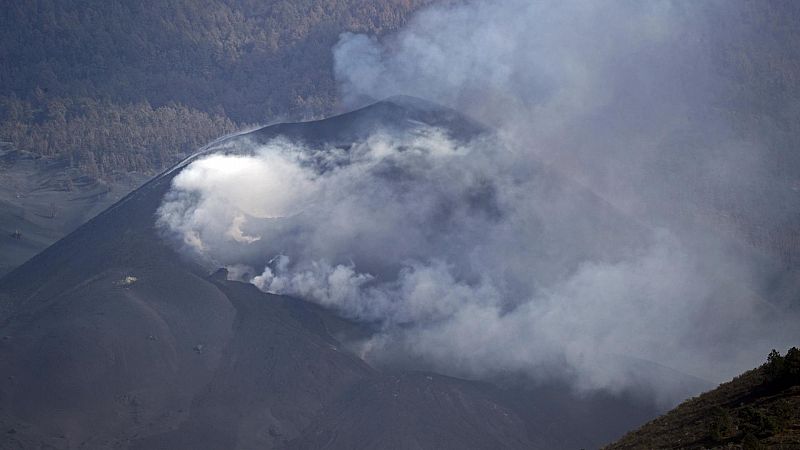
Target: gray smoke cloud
[
  {"x": 558, "y": 248},
  {"x": 621, "y": 97}
]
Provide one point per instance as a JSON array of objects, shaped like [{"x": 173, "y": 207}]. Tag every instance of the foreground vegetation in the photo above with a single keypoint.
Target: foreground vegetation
[{"x": 759, "y": 409}]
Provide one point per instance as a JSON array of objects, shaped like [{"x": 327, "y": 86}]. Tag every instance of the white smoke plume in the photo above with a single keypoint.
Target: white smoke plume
[{"x": 477, "y": 258}]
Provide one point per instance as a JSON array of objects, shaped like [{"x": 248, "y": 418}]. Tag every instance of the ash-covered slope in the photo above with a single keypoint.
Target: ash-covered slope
[
  {"x": 43, "y": 199},
  {"x": 111, "y": 339}
]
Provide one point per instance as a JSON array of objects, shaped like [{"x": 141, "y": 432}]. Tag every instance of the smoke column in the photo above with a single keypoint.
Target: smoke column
[{"x": 564, "y": 246}]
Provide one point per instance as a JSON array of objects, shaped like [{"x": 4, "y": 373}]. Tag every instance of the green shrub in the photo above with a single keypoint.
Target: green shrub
[
  {"x": 721, "y": 426},
  {"x": 783, "y": 371},
  {"x": 750, "y": 442}
]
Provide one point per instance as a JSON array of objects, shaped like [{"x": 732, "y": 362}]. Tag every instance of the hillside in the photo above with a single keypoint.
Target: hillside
[
  {"x": 127, "y": 86},
  {"x": 42, "y": 200},
  {"x": 757, "y": 410},
  {"x": 121, "y": 86}
]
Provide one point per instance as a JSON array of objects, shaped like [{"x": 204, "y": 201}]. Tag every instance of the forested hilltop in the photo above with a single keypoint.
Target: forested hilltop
[
  {"x": 131, "y": 86},
  {"x": 114, "y": 85},
  {"x": 757, "y": 410}
]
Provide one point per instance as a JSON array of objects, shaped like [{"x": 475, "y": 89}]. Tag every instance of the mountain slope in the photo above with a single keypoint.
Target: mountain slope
[
  {"x": 758, "y": 409},
  {"x": 42, "y": 200},
  {"x": 111, "y": 339}
]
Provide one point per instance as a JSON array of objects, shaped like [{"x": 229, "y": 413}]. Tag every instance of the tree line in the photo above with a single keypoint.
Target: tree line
[
  {"x": 100, "y": 137},
  {"x": 129, "y": 86}
]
